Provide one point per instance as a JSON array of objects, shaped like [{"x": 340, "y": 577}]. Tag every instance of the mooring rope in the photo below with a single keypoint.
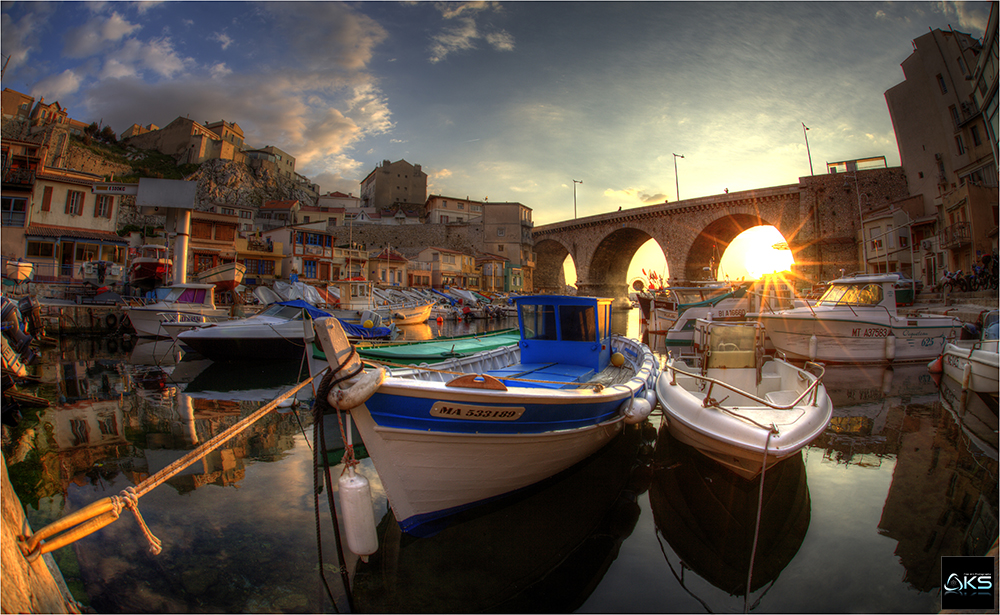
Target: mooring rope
[
  {"x": 101, "y": 513},
  {"x": 756, "y": 528}
]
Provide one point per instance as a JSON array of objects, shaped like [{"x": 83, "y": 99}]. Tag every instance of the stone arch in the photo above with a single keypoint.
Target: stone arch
[
  {"x": 607, "y": 272},
  {"x": 715, "y": 238},
  {"x": 550, "y": 254}
]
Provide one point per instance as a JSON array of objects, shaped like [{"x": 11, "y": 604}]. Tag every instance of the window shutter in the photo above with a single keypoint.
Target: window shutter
[
  {"x": 47, "y": 198},
  {"x": 97, "y": 206},
  {"x": 111, "y": 205},
  {"x": 69, "y": 198}
]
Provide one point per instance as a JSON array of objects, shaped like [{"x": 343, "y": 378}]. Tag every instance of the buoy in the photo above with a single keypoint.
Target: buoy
[
  {"x": 936, "y": 366},
  {"x": 890, "y": 347},
  {"x": 651, "y": 397},
  {"x": 359, "y": 518},
  {"x": 618, "y": 359},
  {"x": 812, "y": 348},
  {"x": 636, "y": 410},
  {"x": 367, "y": 324},
  {"x": 440, "y": 319}
]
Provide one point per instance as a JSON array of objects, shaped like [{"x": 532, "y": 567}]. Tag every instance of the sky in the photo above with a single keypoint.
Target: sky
[{"x": 495, "y": 100}]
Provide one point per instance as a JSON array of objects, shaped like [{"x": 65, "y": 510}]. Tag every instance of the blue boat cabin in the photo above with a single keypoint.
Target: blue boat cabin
[{"x": 565, "y": 340}]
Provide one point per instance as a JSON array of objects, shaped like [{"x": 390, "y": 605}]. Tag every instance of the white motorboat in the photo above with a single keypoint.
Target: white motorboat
[
  {"x": 193, "y": 303},
  {"x": 19, "y": 270},
  {"x": 974, "y": 363},
  {"x": 356, "y": 297},
  {"x": 738, "y": 407},
  {"x": 281, "y": 331},
  {"x": 856, "y": 321}
]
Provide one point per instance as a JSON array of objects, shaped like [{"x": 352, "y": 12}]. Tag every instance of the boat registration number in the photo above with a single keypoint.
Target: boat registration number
[
  {"x": 876, "y": 332},
  {"x": 446, "y": 410}
]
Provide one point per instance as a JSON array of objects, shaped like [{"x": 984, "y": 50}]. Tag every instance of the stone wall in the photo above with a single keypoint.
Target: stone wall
[
  {"x": 410, "y": 237},
  {"x": 82, "y": 159}
]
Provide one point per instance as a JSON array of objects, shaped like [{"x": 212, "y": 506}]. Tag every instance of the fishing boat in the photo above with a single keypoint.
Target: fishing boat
[
  {"x": 856, "y": 321},
  {"x": 151, "y": 267},
  {"x": 438, "y": 349},
  {"x": 190, "y": 303},
  {"x": 738, "y": 407},
  {"x": 226, "y": 276},
  {"x": 443, "y": 442},
  {"x": 19, "y": 270},
  {"x": 102, "y": 273},
  {"x": 974, "y": 363}
]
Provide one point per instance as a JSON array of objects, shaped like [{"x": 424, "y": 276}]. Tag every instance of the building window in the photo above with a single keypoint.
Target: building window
[
  {"x": 461, "y": 205},
  {"x": 41, "y": 249},
  {"x": 501, "y": 231},
  {"x": 228, "y": 211},
  {"x": 13, "y": 211},
  {"x": 74, "y": 203},
  {"x": 975, "y": 136},
  {"x": 942, "y": 85},
  {"x": 959, "y": 144},
  {"x": 103, "y": 207},
  {"x": 309, "y": 269}
]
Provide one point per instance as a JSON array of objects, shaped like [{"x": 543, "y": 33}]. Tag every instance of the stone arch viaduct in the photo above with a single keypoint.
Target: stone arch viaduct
[{"x": 819, "y": 217}]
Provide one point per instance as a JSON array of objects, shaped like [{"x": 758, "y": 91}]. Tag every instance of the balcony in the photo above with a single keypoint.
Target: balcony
[
  {"x": 19, "y": 177},
  {"x": 955, "y": 236}
]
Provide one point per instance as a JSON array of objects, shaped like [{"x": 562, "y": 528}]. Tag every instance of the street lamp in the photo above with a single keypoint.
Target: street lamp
[
  {"x": 677, "y": 182},
  {"x": 575, "y": 182},
  {"x": 804, "y": 129}
]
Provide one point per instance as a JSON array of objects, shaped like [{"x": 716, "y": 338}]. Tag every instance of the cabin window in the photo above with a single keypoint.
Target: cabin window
[
  {"x": 579, "y": 324},
  {"x": 192, "y": 295},
  {"x": 539, "y": 322}
]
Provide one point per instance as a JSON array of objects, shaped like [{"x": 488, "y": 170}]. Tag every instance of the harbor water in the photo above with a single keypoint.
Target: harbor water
[{"x": 858, "y": 522}]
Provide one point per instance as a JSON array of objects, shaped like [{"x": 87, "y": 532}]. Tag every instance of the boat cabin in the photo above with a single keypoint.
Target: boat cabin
[
  {"x": 564, "y": 341},
  {"x": 354, "y": 294},
  {"x": 862, "y": 291},
  {"x": 190, "y": 294}
]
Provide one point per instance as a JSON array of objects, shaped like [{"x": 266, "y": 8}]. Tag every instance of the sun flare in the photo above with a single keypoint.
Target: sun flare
[{"x": 756, "y": 252}]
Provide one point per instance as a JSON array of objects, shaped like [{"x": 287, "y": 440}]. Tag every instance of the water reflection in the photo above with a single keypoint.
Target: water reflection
[
  {"x": 906, "y": 473},
  {"x": 709, "y": 517}
]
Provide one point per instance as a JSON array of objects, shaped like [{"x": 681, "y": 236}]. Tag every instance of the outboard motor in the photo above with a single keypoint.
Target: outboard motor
[{"x": 31, "y": 314}]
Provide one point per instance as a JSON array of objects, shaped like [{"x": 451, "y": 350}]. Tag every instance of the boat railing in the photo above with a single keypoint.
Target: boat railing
[
  {"x": 187, "y": 317},
  {"x": 812, "y": 391}
]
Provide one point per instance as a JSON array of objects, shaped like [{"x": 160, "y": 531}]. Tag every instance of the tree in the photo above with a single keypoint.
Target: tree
[
  {"x": 93, "y": 129},
  {"x": 108, "y": 135}
]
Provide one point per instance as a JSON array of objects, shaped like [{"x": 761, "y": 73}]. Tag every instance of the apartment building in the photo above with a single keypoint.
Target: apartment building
[
  {"x": 245, "y": 214},
  {"x": 274, "y": 214},
  {"x": 16, "y": 105},
  {"x": 188, "y": 141},
  {"x": 946, "y": 146},
  {"x": 394, "y": 182},
  {"x": 212, "y": 241},
  {"x": 388, "y": 267},
  {"x": 507, "y": 233},
  {"x": 446, "y": 210},
  {"x": 310, "y": 253}
]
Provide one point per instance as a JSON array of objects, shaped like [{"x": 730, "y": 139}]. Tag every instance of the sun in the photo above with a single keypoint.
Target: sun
[{"x": 754, "y": 253}]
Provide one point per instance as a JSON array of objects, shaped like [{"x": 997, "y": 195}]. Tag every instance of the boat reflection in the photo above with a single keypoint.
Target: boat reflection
[
  {"x": 543, "y": 550},
  {"x": 975, "y": 413},
  {"x": 708, "y": 516}
]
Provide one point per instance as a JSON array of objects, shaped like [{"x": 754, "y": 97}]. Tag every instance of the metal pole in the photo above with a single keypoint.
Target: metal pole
[
  {"x": 861, "y": 221},
  {"x": 804, "y": 129},
  {"x": 575, "y": 182},
  {"x": 677, "y": 181}
]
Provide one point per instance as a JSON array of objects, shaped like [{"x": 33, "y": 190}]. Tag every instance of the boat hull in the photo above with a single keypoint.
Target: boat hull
[
  {"x": 147, "y": 320},
  {"x": 20, "y": 271},
  {"x": 981, "y": 361},
  {"x": 744, "y": 435},
  {"x": 226, "y": 276},
  {"x": 858, "y": 337},
  {"x": 431, "y": 475},
  {"x": 244, "y": 347}
]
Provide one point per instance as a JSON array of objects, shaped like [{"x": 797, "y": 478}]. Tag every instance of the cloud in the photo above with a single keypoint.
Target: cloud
[
  {"x": 157, "y": 55},
  {"x": 96, "y": 36},
  {"x": 219, "y": 70},
  {"x": 57, "y": 86},
  {"x": 972, "y": 16},
  {"x": 224, "y": 39},
  {"x": 463, "y": 35},
  {"x": 145, "y": 5},
  {"x": 22, "y": 36},
  {"x": 326, "y": 36}
]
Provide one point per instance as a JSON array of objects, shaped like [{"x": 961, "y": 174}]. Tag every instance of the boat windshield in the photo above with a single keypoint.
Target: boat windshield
[
  {"x": 991, "y": 326},
  {"x": 852, "y": 294},
  {"x": 578, "y": 322},
  {"x": 288, "y": 312}
]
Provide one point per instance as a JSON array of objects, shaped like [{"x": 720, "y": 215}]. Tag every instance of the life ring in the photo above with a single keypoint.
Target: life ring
[
  {"x": 359, "y": 392},
  {"x": 111, "y": 320}
]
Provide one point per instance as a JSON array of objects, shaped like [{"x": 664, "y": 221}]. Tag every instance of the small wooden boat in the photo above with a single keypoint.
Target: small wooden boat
[
  {"x": 20, "y": 271},
  {"x": 438, "y": 349},
  {"x": 226, "y": 276},
  {"x": 976, "y": 363},
  {"x": 739, "y": 409},
  {"x": 151, "y": 267},
  {"x": 483, "y": 426}
]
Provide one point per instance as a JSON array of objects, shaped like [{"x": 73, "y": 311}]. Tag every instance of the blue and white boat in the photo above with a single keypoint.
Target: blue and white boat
[{"x": 480, "y": 427}]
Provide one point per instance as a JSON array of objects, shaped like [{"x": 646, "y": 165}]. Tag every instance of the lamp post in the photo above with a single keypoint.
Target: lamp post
[
  {"x": 575, "y": 182},
  {"x": 677, "y": 182},
  {"x": 804, "y": 129},
  {"x": 861, "y": 220}
]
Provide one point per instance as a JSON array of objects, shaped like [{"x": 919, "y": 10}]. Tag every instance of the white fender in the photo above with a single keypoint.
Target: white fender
[
  {"x": 651, "y": 397},
  {"x": 812, "y": 348},
  {"x": 363, "y": 388},
  {"x": 359, "y": 518},
  {"x": 966, "y": 375},
  {"x": 636, "y": 410},
  {"x": 890, "y": 347}
]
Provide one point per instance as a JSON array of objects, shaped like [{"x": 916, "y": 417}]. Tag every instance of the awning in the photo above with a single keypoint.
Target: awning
[{"x": 61, "y": 232}]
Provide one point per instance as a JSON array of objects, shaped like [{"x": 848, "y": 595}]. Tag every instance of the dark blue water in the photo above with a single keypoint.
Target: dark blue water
[{"x": 906, "y": 473}]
